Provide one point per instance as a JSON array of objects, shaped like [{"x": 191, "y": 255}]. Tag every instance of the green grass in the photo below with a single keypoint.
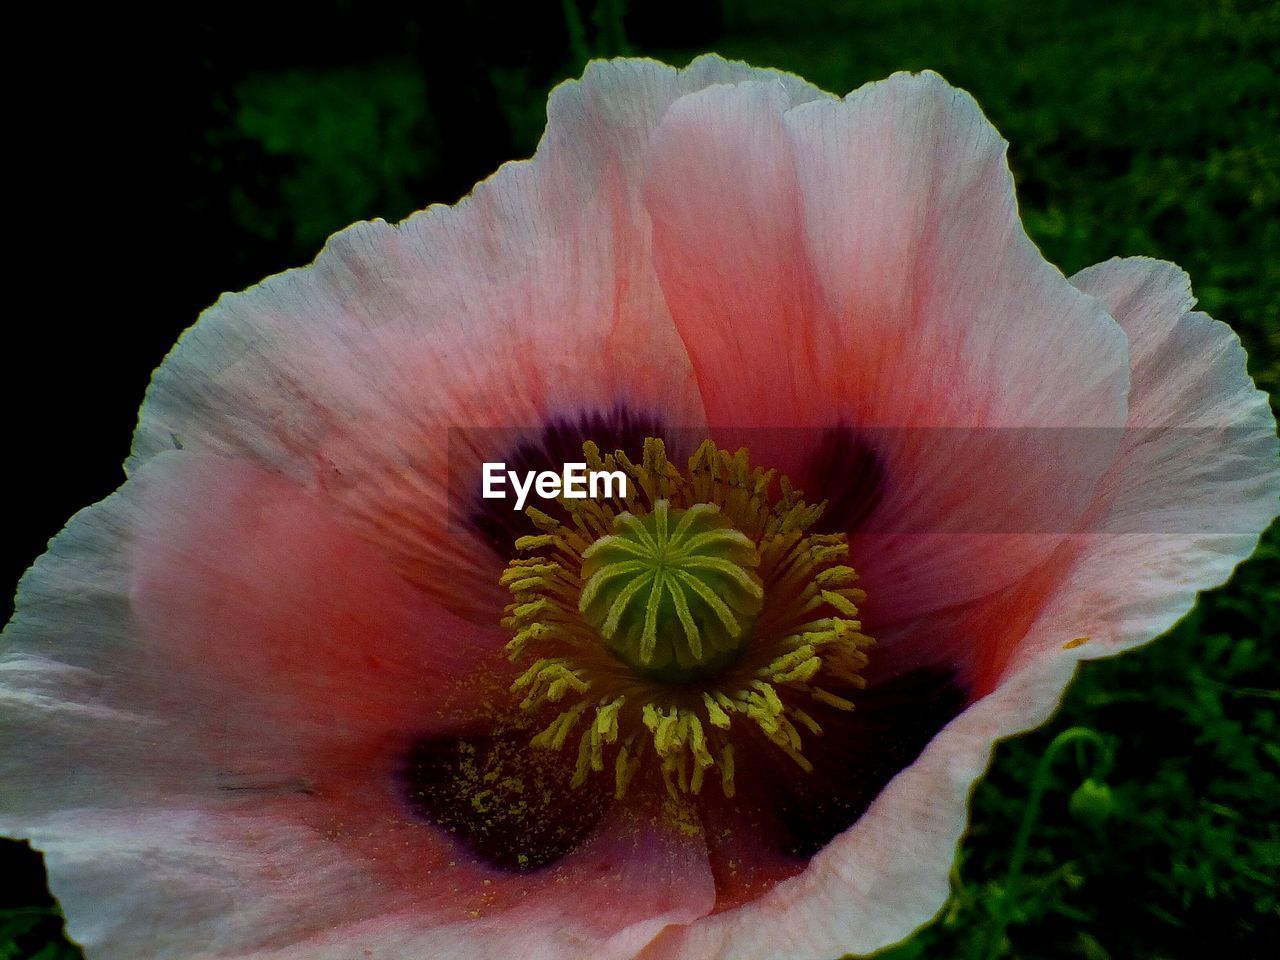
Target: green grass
[{"x": 1136, "y": 128}]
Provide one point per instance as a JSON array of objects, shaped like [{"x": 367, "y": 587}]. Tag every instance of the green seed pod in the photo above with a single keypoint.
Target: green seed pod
[{"x": 1091, "y": 803}]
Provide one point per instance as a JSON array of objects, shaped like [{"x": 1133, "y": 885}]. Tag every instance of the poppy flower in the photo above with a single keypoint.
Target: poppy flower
[{"x": 299, "y": 690}]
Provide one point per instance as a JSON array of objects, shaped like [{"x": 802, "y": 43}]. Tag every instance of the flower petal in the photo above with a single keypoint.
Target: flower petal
[
  {"x": 210, "y": 685},
  {"x": 208, "y": 628},
  {"x": 861, "y": 264},
  {"x": 531, "y": 298},
  {"x": 179, "y": 884},
  {"x": 721, "y": 187},
  {"x": 888, "y": 873},
  {"x": 1196, "y": 483},
  {"x": 1197, "y": 479},
  {"x": 531, "y": 301}
]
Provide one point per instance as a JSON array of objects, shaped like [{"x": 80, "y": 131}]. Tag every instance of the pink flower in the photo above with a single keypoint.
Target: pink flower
[{"x": 297, "y": 691}]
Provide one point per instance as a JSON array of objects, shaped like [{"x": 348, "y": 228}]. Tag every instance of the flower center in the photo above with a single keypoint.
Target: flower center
[
  {"x": 674, "y": 592},
  {"x": 692, "y": 615}
]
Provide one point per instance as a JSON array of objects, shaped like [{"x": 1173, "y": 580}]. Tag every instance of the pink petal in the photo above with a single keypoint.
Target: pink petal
[
  {"x": 228, "y": 679},
  {"x": 257, "y": 609},
  {"x": 862, "y": 263},
  {"x": 530, "y": 299},
  {"x": 1197, "y": 478},
  {"x": 1196, "y": 483},
  {"x": 889, "y": 872},
  {"x": 178, "y": 883},
  {"x": 721, "y": 187},
  {"x": 208, "y": 627}
]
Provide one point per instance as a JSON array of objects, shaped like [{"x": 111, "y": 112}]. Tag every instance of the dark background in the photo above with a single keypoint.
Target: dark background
[{"x": 164, "y": 160}]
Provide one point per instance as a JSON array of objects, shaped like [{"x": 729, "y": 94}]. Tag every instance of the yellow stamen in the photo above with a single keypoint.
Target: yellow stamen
[{"x": 667, "y": 618}]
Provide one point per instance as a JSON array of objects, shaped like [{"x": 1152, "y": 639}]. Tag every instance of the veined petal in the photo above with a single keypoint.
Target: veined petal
[
  {"x": 1197, "y": 479},
  {"x": 888, "y": 873},
  {"x": 1195, "y": 484},
  {"x": 861, "y": 265},
  {"x": 229, "y": 680},
  {"x": 209, "y": 630},
  {"x": 191, "y": 884},
  {"x": 1010, "y": 385},
  {"x": 349, "y": 374},
  {"x": 533, "y": 299},
  {"x": 722, "y": 189}
]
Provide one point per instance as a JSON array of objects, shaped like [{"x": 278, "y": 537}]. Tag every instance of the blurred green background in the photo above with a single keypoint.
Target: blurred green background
[{"x": 1142, "y": 822}]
